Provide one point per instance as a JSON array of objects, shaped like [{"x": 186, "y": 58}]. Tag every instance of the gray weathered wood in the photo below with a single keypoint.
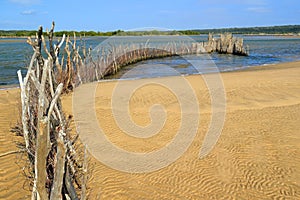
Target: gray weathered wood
[
  {"x": 56, "y": 190},
  {"x": 40, "y": 160},
  {"x": 44, "y": 124},
  {"x": 24, "y": 103},
  {"x": 84, "y": 177}
]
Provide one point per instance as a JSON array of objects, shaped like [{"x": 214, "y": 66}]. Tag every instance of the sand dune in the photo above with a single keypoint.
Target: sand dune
[{"x": 256, "y": 157}]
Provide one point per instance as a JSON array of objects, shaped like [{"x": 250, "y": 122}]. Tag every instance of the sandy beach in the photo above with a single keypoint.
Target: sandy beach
[{"x": 256, "y": 157}]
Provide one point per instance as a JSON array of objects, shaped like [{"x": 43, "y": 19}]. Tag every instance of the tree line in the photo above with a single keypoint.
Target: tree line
[{"x": 288, "y": 29}]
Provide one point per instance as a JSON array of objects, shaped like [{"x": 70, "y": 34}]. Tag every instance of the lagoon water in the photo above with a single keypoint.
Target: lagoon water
[{"x": 15, "y": 54}]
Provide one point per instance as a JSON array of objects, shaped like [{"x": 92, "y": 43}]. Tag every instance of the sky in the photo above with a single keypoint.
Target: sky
[{"x": 110, "y": 15}]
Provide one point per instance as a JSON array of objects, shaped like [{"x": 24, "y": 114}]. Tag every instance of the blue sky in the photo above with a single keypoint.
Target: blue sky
[{"x": 111, "y": 15}]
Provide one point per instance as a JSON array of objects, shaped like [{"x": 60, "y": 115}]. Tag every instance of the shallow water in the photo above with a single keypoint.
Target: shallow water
[{"x": 15, "y": 54}]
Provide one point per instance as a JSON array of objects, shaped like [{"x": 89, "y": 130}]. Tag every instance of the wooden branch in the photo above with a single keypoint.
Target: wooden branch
[
  {"x": 56, "y": 190},
  {"x": 52, "y": 50},
  {"x": 57, "y": 48},
  {"x": 40, "y": 65},
  {"x": 37, "y": 71},
  {"x": 39, "y": 38},
  {"x": 24, "y": 110},
  {"x": 50, "y": 81},
  {"x": 59, "y": 114},
  {"x": 52, "y": 95},
  {"x": 42, "y": 143},
  {"x": 77, "y": 59},
  {"x": 67, "y": 197},
  {"x": 44, "y": 78},
  {"x": 43, "y": 118},
  {"x": 29, "y": 68},
  {"x": 41, "y": 159},
  {"x": 84, "y": 177},
  {"x": 33, "y": 44},
  {"x": 74, "y": 45},
  {"x": 45, "y": 49},
  {"x": 61, "y": 42},
  {"x": 69, "y": 67},
  {"x": 36, "y": 83},
  {"x": 55, "y": 98},
  {"x": 69, "y": 185}
]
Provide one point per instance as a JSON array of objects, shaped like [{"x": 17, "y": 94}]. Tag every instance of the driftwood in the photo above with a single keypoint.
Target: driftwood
[
  {"x": 55, "y": 163},
  {"x": 110, "y": 61},
  {"x": 111, "y": 58},
  {"x": 226, "y": 44}
]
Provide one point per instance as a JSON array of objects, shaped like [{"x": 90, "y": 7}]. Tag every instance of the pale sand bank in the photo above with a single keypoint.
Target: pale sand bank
[
  {"x": 256, "y": 157},
  {"x": 12, "y": 179}
]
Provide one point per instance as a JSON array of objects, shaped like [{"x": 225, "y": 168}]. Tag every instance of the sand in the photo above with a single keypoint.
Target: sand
[
  {"x": 13, "y": 184},
  {"x": 256, "y": 157}
]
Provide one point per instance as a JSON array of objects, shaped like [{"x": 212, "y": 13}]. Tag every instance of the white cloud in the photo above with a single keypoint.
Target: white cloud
[
  {"x": 28, "y": 2},
  {"x": 28, "y": 12},
  {"x": 259, "y": 9},
  {"x": 255, "y": 2},
  {"x": 237, "y": 2}
]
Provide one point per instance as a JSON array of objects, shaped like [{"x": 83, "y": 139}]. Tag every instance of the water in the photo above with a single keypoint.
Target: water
[{"x": 15, "y": 54}]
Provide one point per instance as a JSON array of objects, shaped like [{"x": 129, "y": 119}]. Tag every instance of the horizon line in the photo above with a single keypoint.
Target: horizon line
[{"x": 164, "y": 29}]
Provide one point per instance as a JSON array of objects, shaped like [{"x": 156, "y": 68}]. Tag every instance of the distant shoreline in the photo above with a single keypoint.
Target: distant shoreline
[
  {"x": 283, "y": 30},
  {"x": 261, "y": 35}
]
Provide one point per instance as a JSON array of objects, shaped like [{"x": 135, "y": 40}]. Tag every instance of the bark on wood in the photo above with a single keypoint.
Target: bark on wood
[
  {"x": 69, "y": 185},
  {"x": 40, "y": 160},
  {"x": 24, "y": 103},
  {"x": 52, "y": 50},
  {"x": 59, "y": 171},
  {"x": 84, "y": 177},
  {"x": 44, "y": 126}
]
